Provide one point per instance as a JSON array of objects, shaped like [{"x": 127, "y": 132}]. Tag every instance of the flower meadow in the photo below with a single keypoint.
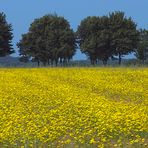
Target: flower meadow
[{"x": 74, "y": 107}]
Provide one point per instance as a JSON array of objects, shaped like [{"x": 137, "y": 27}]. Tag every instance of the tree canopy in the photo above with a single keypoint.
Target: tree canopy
[
  {"x": 103, "y": 37},
  {"x": 125, "y": 36},
  {"x": 142, "y": 50},
  {"x": 6, "y": 36},
  {"x": 50, "y": 39}
]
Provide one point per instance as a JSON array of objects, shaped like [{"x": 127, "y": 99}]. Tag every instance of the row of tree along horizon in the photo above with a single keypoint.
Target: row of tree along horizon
[{"x": 50, "y": 40}]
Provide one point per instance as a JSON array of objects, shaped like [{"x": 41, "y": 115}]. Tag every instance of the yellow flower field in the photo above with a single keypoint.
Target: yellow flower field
[{"x": 74, "y": 107}]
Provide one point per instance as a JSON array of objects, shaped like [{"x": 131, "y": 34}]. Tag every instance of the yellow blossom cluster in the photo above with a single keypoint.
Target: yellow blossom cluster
[{"x": 74, "y": 107}]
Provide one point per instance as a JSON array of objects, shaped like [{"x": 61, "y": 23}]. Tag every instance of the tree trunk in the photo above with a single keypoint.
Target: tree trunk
[
  {"x": 104, "y": 62},
  {"x": 48, "y": 61},
  {"x": 38, "y": 63},
  {"x": 64, "y": 62},
  {"x": 44, "y": 63},
  {"x": 92, "y": 62},
  {"x": 56, "y": 62},
  {"x": 52, "y": 63},
  {"x": 95, "y": 62},
  {"x": 61, "y": 62},
  {"x": 120, "y": 59},
  {"x": 68, "y": 61},
  {"x": 143, "y": 61}
]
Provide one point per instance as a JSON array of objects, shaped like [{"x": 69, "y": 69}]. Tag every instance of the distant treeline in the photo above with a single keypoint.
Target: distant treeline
[{"x": 51, "y": 41}]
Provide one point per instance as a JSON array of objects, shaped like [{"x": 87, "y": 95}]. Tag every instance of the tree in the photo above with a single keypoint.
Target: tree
[
  {"x": 125, "y": 36},
  {"x": 142, "y": 50},
  {"x": 93, "y": 37},
  {"x": 49, "y": 40},
  {"x": 5, "y": 36}
]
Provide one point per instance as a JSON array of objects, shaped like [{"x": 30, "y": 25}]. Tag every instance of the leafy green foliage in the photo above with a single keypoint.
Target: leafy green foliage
[
  {"x": 125, "y": 36},
  {"x": 49, "y": 40},
  {"x": 102, "y": 37},
  {"x": 142, "y": 50},
  {"x": 94, "y": 38},
  {"x": 5, "y": 36}
]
